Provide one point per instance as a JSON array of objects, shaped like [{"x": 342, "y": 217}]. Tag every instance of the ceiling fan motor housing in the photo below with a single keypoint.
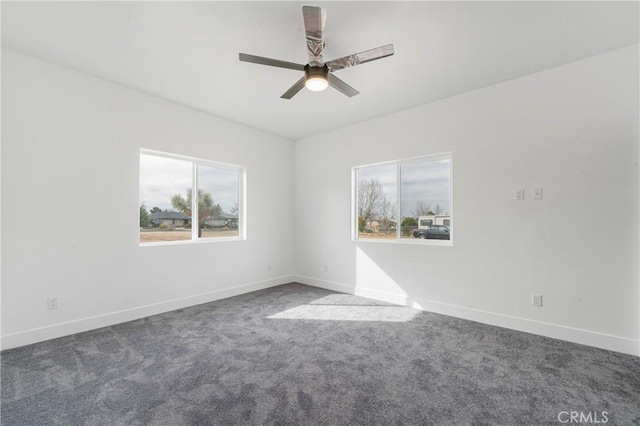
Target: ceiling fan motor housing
[{"x": 316, "y": 72}]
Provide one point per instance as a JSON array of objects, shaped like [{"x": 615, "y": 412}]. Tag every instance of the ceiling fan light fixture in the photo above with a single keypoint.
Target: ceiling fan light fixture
[
  {"x": 316, "y": 84},
  {"x": 316, "y": 78}
]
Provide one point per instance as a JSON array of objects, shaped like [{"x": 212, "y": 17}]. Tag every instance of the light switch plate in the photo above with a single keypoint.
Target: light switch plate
[{"x": 537, "y": 193}]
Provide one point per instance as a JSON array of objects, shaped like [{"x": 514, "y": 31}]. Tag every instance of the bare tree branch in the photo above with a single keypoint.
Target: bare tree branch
[
  {"x": 422, "y": 209},
  {"x": 370, "y": 196}
]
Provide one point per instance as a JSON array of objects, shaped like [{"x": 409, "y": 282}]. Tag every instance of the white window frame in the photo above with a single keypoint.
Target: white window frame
[
  {"x": 399, "y": 164},
  {"x": 242, "y": 216}
]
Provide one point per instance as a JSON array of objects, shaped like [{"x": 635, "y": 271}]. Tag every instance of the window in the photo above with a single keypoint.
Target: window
[
  {"x": 171, "y": 211},
  {"x": 404, "y": 200}
]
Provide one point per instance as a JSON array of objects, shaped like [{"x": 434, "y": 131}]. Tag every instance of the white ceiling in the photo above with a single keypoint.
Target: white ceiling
[{"x": 187, "y": 52}]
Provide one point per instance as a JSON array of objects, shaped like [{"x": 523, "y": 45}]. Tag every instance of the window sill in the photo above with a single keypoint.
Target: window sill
[
  {"x": 406, "y": 241},
  {"x": 187, "y": 242}
]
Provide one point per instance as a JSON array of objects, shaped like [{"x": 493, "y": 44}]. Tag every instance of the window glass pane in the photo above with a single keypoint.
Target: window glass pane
[
  {"x": 425, "y": 199},
  {"x": 376, "y": 201},
  {"x": 165, "y": 187},
  {"x": 218, "y": 202}
]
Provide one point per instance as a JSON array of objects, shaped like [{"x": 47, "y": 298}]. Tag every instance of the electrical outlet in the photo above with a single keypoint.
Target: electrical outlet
[
  {"x": 52, "y": 303},
  {"x": 519, "y": 194},
  {"x": 536, "y": 299}
]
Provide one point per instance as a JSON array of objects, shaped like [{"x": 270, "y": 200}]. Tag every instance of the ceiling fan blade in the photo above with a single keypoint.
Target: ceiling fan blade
[
  {"x": 361, "y": 58},
  {"x": 271, "y": 62},
  {"x": 293, "y": 89},
  {"x": 341, "y": 86},
  {"x": 314, "y": 20}
]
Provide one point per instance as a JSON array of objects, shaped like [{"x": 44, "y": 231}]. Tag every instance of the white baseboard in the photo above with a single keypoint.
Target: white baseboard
[
  {"x": 53, "y": 331},
  {"x": 570, "y": 334}
]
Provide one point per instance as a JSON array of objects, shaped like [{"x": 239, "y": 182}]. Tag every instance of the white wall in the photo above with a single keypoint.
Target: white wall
[
  {"x": 70, "y": 203},
  {"x": 572, "y": 130},
  {"x": 70, "y": 147}
]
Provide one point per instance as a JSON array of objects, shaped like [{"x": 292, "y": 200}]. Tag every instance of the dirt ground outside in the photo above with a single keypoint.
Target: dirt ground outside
[
  {"x": 379, "y": 236},
  {"x": 182, "y": 235}
]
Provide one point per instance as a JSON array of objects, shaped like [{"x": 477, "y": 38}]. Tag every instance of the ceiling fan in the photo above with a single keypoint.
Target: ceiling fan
[{"x": 318, "y": 74}]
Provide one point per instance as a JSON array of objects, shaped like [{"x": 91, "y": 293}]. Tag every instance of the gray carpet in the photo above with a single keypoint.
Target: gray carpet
[{"x": 298, "y": 355}]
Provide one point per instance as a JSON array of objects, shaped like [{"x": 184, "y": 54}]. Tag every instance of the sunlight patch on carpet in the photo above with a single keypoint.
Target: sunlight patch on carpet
[{"x": 344, "y": 307}]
